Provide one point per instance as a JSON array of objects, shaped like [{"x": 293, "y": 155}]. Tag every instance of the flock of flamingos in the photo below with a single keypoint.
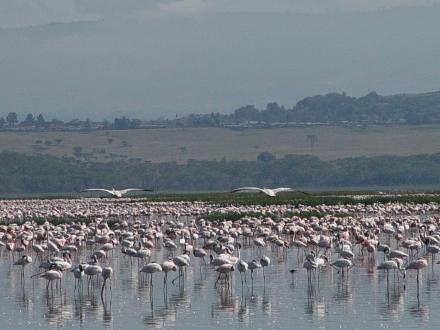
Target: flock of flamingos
[{"x": 397, "y": 238}]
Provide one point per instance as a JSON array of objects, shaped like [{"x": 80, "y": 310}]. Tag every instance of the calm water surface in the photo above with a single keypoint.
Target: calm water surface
[{"x": 362, "y": 300}]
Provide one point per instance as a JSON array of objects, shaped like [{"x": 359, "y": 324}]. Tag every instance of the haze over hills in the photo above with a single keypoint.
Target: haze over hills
[{"x": 146, "y": 66}]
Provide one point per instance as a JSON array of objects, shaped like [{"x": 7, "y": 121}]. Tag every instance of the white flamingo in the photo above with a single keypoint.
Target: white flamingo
[
  {"x": 225, "y": 269},
  {"x": 52, "y": 275},
  {"x": 168, "y": 266},
  {"x": 181, "y": 262},
  {"x": 264, "y": 261},
  {"x": 91, "y": 270},
  {"x": 151, "y": 268},
  {"x": 389, "y": 265},
  {"x": 107, "y": 273},
  {"x": 242, "y": 267},
  {"x": 418, "y": 265},
  {"x": 200, "y": 253},
  {"x": 23, "y": 262},
  {"x": 342, "y": 264},
  {"x": 78, "y": 274},
  {"x": 253, "y": 265},
  {"x": 117, "y": 193},
  {"x": 266, "y": 191}
]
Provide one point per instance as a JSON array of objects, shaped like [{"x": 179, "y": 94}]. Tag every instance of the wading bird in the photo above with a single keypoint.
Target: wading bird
[
  {"x": 342, "y": 264},
  {"x": 117, "y": 193},
  {"x": 106, "y": 273},
  {"x": 151, "y": 268},
  {"x": 418, "y": 265},
  {"x": 52, "y": 275},
  {"x": 25, "y": 260},
  {"x": 266, "y": 191}
]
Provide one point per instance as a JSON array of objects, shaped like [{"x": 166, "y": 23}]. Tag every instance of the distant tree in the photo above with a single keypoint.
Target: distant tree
[
  {"x": 57, "y": 122},
  {"x": 41, "y": 123},
  {"x": 122, "y": 123},
  {"x": 88, "y": 124},
  {"x": 273, "y": 106},
  {"x": 106, "y": 124},
  {"x": 274, "y": 113},
  {"x": 265, "y": 157},
  {"x": 29, "y": 120},
  {"x": 12, "y": 118},
  {"x": 2, "y": 122},
  {"x": 248, "y": 113},
  {"x": 135, "y": 123}
]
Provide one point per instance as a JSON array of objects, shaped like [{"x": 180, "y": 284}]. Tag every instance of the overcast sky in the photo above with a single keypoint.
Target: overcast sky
[
  {"x": 147, "y": 58},
  {"x": 14, "y": 13}
]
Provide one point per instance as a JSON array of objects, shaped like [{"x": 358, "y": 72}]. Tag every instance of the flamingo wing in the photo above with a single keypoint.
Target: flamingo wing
[
  {"x": 277, "y": 190},
  {"x": 124, "y": 191},
  {"x": 249, "y": 189},
  {"x": 94, "y": 189}
]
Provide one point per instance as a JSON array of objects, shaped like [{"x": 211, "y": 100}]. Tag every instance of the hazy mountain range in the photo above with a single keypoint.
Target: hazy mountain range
[{"x": 162, "y": 58}]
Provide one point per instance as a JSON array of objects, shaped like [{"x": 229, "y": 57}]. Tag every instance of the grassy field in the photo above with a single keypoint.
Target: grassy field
[{"x": 159, "y": 145}]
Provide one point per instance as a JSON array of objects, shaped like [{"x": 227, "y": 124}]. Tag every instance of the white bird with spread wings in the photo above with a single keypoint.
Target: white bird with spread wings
[
  {"x": 117, "y": 193},
  {"x": 266, "y": 191}
]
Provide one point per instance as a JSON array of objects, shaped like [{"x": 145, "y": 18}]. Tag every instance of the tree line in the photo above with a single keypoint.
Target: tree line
[
  {"x": 32, "y": 122},
  {"x": 329, "y": 109},
  {"x": 332, "y": 108},
  {"x": 21, "y": 173}
]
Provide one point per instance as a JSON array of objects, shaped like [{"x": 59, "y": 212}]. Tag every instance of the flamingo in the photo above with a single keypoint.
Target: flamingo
[
  {"x": 52, "y": 274},
  {"x": 394, "y": 253},
  {"x": 433, "y": 249},
  {"x": 78, "y": 273},
  {"x": 225, "y": 269},
  {"x": 23, "y": 262},
  {"x": 168, "y": 266},
  {"x": 242, "y": 267},
  {"x": 91, "y": 270},
  {"x": 106, "y": 273},
  {"x": 151, "y": 268},
  {"x": 266, "y": 191},
  {"x": 181, "y": 261},
  {"x": 116, "y": 193},
  {"x": 310, "y": 265},
  {"x": 387, "y": 266},
  {"x": 253, "y": 265},
  {"x": 38, "y": 249},
  {"x": 342, "y": 264},
  {"x": 221, "y": 259},
  {"x": 200, "y": 253},
  {"x": 264, "y": 261},
  {"x": 418, "y": 265}
]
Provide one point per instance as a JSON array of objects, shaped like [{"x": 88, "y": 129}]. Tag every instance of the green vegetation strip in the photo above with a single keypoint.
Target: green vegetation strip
[{"x": 234, "y": 216}]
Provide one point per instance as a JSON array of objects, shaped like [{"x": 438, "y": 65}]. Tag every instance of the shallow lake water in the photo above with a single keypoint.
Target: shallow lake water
[{"x": 362, "y": 300}]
